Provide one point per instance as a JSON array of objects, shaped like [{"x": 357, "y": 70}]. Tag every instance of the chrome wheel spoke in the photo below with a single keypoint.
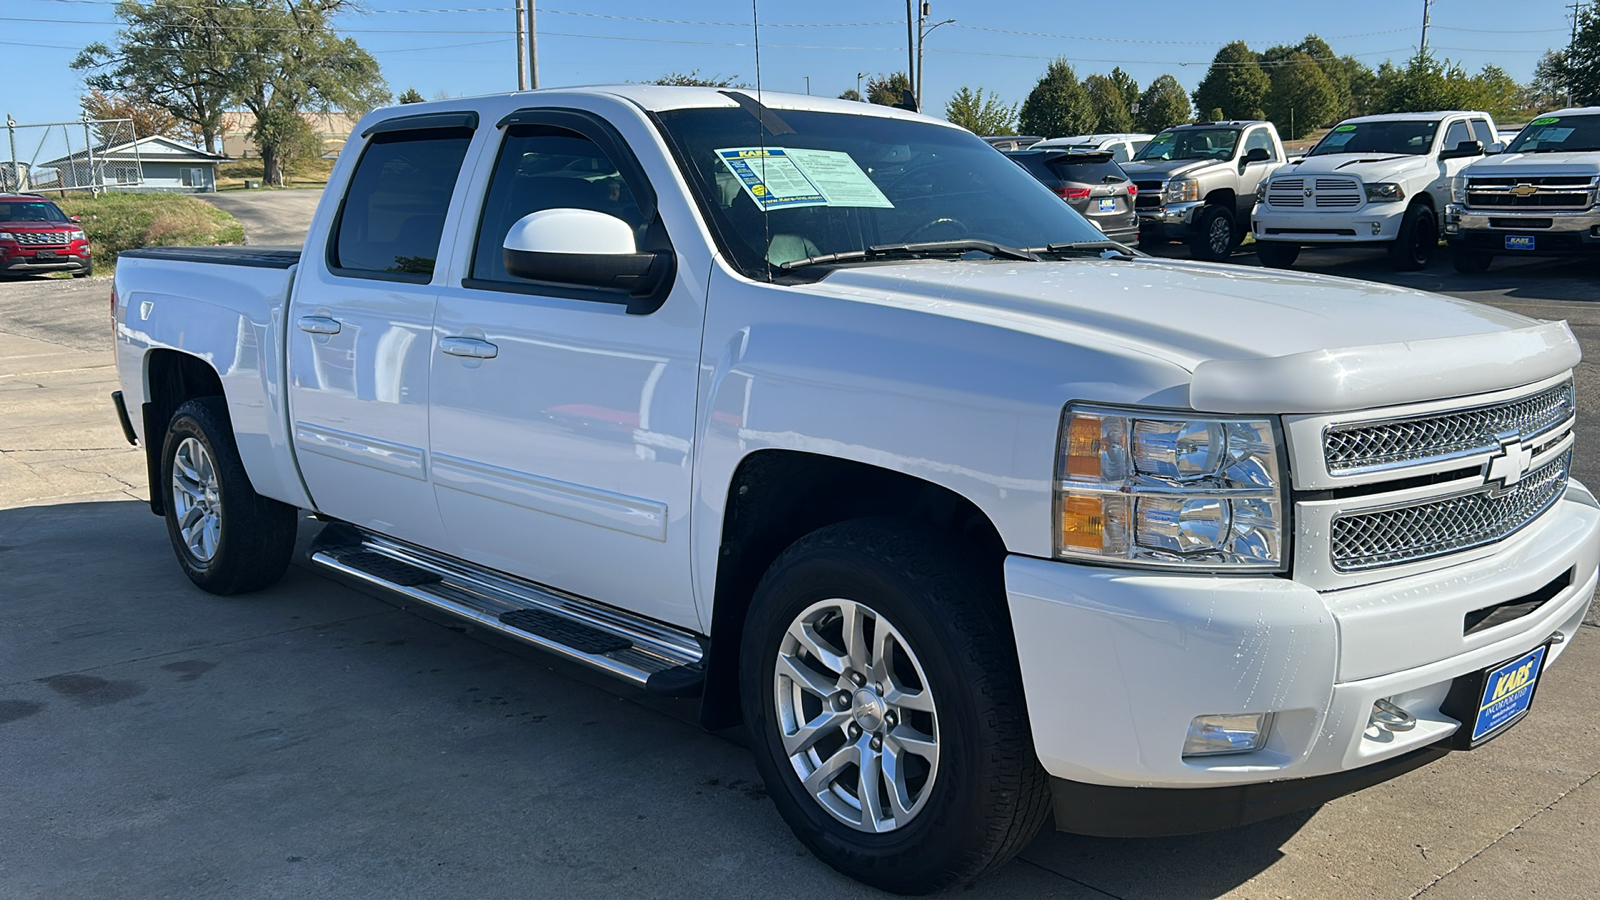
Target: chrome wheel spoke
[
  {"x": 869, "y": 775},
  {"x": 823, "y": 777},
  {"x": 195, "y": 499},
  {"x": 894, "y": 776},
  {"x": 807, "y": 678},
  {"x": 854, "y": 626},
  {"x": 831, "y": 721},
  {"x": 806, "y": 634},
  {"x": 900, "y": 698},
  {"x": 915, "y": 742}
]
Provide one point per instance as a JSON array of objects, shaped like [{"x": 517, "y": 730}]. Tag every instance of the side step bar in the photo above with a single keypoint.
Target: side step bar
[{"x": 660, "y": 658}]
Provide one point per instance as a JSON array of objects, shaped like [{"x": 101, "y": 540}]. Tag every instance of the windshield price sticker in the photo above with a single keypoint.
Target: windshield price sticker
[
  {"x": 1345, "y": 128},
  {"x": 1547, "y": 120},
  {"x": 783, "y": 177}
]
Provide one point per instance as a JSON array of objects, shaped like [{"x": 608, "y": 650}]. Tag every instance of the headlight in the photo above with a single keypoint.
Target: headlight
[
  {"x": 1458, "y": 189},
  {"x": 1170, "y": 490},
  {"x": 1261, "y": 191},
  {"x": 1385, "y": 192},
  {"x": 7, "y": 236},
  {"x": 1180, "y": 190},
  {"x": 76, "y": 234}
]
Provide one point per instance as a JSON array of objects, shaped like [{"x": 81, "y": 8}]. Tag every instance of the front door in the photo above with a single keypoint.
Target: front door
[
  {"x": 562, "y": 423},
  {"x": 361, "y": 332}
]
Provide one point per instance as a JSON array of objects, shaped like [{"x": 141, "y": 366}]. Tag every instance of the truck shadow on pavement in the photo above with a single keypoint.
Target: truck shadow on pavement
[{"x": 310, "y": 740}]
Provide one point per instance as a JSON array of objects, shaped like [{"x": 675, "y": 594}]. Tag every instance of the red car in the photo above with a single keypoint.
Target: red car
[{"x": 36, "y": 236}]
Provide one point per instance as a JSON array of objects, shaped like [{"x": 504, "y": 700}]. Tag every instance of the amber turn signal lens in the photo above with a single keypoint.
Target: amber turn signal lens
[
  {"x": 1083, "y": 522},
  {"x": 1084, "y": 438}
]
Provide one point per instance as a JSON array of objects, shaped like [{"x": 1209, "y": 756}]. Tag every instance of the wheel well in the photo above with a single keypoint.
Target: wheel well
[
  {"x": 171, "y": 380},
  {"x": 1225, "y": 198},
  {"x": 777, "y": 497},
  {"x": 1424, "y": 198}
]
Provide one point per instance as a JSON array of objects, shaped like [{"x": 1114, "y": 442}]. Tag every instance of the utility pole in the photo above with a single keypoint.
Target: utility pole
[
  {"x": 911, "y": 46},
  {"x": 859, "y": 76},
  {"x": 1424, "y": 49},
  {"x": 808, "y": 85},
  {"x": 522, "y": 47},
  {"x": 533, "y": 46},
  {"x": 922, "y": 34},
  {"x": 1577, "y": 8}
]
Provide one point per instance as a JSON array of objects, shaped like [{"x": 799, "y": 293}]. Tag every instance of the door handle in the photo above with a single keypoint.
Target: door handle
[
  {"x": 471, "y": 348},
  {"x": 319, "y": 325}
]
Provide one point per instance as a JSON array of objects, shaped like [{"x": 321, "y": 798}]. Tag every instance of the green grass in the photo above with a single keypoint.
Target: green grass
[{"x": 118, "y": 222}]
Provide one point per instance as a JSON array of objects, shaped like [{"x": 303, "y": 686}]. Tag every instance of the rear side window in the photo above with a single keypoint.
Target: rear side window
[
  {"x": 393, "y": 212},
  {"x": 1483, "y": 133}
]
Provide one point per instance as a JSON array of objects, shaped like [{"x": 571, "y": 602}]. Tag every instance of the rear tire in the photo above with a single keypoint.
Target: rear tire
[
  {"x": 1471, "y": 262},
  {"x": 1216, "y": 238},
  {"x": 1277, "y": 254},
  {"x": 228, "y": 538},
  {"x": 1413, "y": 249},
  {"x": 940, "y": 679}
]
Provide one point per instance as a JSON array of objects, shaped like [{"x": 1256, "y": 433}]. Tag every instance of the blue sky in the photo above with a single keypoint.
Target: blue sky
[{"x": 1000, "y": 46}]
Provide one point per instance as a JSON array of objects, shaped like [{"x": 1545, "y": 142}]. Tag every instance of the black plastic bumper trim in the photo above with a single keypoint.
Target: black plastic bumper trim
[{"x": 1102, "y": 811}]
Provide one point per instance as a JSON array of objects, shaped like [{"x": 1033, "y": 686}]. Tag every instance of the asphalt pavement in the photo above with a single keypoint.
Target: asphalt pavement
[
  {"x": 271, "y": 218},
  {"x": 314, "y": 741}
]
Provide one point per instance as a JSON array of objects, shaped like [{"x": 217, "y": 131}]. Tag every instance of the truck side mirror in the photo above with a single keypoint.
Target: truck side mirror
[
  {"x": 1257, "y": 154},
  {"x": 1463, "y": 150},
  {"x": 585, "y": 248}
]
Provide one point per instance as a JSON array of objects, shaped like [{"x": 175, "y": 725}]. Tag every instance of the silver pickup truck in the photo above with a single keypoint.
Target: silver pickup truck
[{"x": 1197, "y": 183}]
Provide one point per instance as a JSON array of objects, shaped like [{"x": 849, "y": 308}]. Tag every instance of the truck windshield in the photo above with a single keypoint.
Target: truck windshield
[
  {"x": 1410, "y": 138},
  {"x": 1191, "y": 143},
  {"x": 798, "y": 185},
  {"x": 1559, "y": 134},
  {"x": 30, "y": 211}
]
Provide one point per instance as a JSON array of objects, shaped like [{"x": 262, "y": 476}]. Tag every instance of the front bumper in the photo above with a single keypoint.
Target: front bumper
[
  {"x": 1376, "y": 222},
  {"x": 1116, "y": 663},
  {"x": 67, "y": 261},
  {"x": 1176, "y": 217},
  {"x": 1555, "y": 232}
]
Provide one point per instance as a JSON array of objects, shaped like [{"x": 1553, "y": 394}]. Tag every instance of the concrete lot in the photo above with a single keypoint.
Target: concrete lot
[{"x": 311, "y": 741}]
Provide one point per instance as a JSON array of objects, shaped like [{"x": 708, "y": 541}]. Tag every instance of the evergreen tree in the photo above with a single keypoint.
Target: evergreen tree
[
  {"x": 1577, "y": 69},
  {"x": 888, "y": 90},
  {"x": 1058, "y": 106},
  {"x": 410, "y": 96},
  {"x": 1163, "y": 105},
  {"x": 1235, "y": 83},
  {"x": 851, "y": 94},
  {"x": 1301, "y": 98},
  {"x": 979, "y": 114},
  {"x": 1110, "y": 107},
  {"x": 1125, "y": 85}
]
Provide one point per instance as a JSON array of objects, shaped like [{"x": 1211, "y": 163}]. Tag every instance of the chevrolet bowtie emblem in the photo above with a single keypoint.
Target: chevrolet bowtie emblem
[
  {"x": 1508, "y": 464},
  {"x": 1525, "y": 190}
]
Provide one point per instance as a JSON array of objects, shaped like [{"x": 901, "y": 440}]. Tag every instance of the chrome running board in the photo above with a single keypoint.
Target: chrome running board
[{"x": 648, "y": 654}]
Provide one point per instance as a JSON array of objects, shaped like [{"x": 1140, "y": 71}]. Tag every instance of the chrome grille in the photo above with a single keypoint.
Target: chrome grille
[
  {"x": 1550, "y": 191},
  {"x": 1417, "y": 440},
  {"x": 41, "y": 237},
  {"x": 1287, "y": 193},
  {"x": 1338, "y": 193},
  {"x": 1433, "y": 528}
]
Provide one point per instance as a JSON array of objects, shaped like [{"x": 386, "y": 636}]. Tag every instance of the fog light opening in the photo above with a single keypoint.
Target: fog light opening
[
  {"x": 1232, "y": 733},
  {"x": 1388, "y": 716},
  {"x": 1377, "y": 228}
]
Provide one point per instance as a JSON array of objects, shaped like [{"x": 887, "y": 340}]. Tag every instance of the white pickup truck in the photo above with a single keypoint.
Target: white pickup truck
[
  {"x": 1375, "y": 181},
  {"x": 832, "y": 417}
]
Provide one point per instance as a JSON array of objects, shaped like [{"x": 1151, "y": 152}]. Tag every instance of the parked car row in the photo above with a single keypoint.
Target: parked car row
[{"x": 1400, "y": 181}]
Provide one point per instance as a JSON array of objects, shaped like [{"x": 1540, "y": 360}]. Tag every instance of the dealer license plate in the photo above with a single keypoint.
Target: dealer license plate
[
  {"x": 1519, "y": 242},
  {"x": 1108, "y": 204},
  {"x": 45, "y": 254},
  {"x": 1507, "y": 693}
]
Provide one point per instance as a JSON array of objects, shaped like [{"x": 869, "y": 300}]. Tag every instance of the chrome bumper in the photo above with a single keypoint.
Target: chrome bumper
[
  {"x": 1172, "y": 213},
  {"x": 1458, "y": 219}
]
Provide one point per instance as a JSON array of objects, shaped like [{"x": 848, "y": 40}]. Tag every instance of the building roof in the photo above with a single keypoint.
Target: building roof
[{"x": 152, "y": 148}]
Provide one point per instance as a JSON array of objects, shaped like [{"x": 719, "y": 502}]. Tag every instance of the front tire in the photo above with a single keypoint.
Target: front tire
[
  {"x": 1215, "y": 240},
  {"x": 228, "y": 538},
  {"x": 879, "y": 681},
  {"x": 1277, "y": 254},
  {"x": 1414, "y": 247}
]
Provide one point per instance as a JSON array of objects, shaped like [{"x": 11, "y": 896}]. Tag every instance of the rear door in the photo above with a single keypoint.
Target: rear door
[{"x": 361, "y": 329}]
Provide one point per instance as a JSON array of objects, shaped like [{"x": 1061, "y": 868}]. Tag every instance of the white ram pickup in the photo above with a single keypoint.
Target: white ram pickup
[
  {"x": 1374, "y": 181},
  {"x": 832, "y": 417}
]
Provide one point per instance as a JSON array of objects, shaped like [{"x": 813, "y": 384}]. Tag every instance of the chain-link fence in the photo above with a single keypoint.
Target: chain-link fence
[{"x": 86, "y": 155}]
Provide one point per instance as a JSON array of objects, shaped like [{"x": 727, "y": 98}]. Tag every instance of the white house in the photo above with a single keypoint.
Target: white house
[{"x": 166, "y": 165}]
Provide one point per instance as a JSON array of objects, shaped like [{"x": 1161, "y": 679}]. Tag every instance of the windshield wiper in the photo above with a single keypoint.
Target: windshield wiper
[
  {"x": 913, "y": 251},
  {"x": 1101, "y": 249}
]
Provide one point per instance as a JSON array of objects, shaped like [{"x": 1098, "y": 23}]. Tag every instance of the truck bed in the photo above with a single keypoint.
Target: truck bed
[{"x": 256, "y": 257}]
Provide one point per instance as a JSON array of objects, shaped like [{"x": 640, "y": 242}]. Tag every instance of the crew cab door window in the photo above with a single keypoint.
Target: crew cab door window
[
  {"x": 393, "y": 213},
  {"x": 1457, "y": 133},
  {"x": 1483, "y": 133}
]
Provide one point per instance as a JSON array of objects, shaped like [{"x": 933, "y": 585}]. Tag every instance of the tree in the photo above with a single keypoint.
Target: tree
[
  {"x": 1333, "y": 67},
  {"x": 410, "y": 96},
  {"x": 1125, "y": 86},
  {"x": 1301, "y": 98},
  {"x": 172, "y": 54},
  {"x": 979, "y": 114},
  {"x": 1498, "y": 94},
  {"x": 693, "y": 78},
  {"x": 1058, "y": 106},
  {"x": 888, "y": 90},
  {"x": 147, "y": 118},
  {"x": 1549, "y": 87},
  {"x": 1577, "y": 69},
  {"x": 1163, "y": 105},
  {"x": 1109, "y": 105},
  {"x": 851, "y": 94},
  {"x": 291, "y": 136},
  {"x": 1235, "y": 83},
  {"x": 1363, "y": 86}
]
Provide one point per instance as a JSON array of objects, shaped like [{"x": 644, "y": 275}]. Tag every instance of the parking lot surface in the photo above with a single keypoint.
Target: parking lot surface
[{"x": 313, "y": 741}]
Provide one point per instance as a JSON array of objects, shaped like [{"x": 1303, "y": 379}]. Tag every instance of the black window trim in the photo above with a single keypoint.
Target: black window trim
[
  {"x": 466, "y": 118},
  {"x": 604, "y": 135},
  {"x": 467, "y": 121}
]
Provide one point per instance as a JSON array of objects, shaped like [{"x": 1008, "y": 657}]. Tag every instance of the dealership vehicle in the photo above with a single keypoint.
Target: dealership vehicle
[
  {"x": 834, "y": 418},
  {"x": 1012, "y": 141},
  {"x": 36, "y": 236},
  {"x": 1122, "y": 147},
  {"x": 1371, "y": 181},
  {"x": 1197, "y": 183},
  {"x": 1091, "y": 183},
  {"x": 1536, "y": 199}
]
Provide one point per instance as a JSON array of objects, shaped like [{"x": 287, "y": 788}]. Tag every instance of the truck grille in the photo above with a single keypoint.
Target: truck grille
[
  {"x": 1150, "y": 194},
  {"x": 1434, "y": 528},
  {"x": 1338, "y": 193},
  {"x": 1533, "y": 192},
  {"x": 41, "y": 238},
  {"x": 1287, "y": 193},
  {"x": 1418, "y": 440}
]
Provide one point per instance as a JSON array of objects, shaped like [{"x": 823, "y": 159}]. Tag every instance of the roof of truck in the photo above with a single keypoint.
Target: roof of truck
[
  {"x": 660, "y": 98},
  {"x": 1417, "y": 116}
]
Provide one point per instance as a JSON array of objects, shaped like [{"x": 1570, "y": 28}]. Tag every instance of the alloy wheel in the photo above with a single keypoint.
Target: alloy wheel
[{"x": 197, "y": 499}]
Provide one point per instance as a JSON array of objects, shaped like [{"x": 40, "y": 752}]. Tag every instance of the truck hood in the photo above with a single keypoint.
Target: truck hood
[
  {"x": 1166, "y": 168},
  {"x": 1513, "y": 164},
  {"x": 1369, "y": 167},
  {"x": 1254, "y": 341}
]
